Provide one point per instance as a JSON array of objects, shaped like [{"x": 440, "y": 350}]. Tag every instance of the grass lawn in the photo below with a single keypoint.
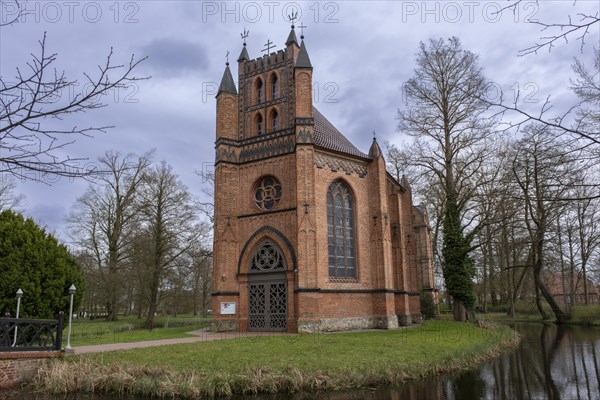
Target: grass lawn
[
  {"x": 128, "y": 329},
  {"x": 581, "y": 315},
  {"x": 276, "y": 364}
]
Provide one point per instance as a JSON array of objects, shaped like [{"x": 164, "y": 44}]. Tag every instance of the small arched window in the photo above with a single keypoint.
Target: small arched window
[
  {"x": 259, "y": 124},
  {"x": 259, "y": 91},
  {"x": 274, "y": 121},
  {"x": 340, "y": 231},
  {"x": 275, "y": 86}
]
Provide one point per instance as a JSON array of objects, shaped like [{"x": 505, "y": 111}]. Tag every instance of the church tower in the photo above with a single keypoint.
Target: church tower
[{"x": 310, "y": 233}]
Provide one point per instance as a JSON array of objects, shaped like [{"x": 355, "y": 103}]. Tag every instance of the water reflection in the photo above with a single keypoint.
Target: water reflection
[{"x": 553, "y": 362}]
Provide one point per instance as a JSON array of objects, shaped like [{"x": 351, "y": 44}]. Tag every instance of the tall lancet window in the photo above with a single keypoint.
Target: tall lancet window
[
  {"x": 275, "y": 86},
  {"x": 274, "y": 121},
  {"x": 259, "y": 124},
  {"x": 259, "y": 91},
  {"x": 341, "y": 231}
]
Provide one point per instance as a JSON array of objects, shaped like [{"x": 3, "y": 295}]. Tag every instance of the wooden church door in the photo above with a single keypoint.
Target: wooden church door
[{"x": 267, "y": 289}]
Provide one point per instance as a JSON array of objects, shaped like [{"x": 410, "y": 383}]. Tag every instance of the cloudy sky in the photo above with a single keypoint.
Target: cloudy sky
[{"x": 361, "y": 51}]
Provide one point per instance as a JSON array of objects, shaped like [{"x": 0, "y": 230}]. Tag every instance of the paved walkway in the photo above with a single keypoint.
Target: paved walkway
[{"x": 201, "y": 335}]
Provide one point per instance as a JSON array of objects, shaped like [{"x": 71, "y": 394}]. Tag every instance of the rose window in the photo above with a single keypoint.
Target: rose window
[{"x": 267, "y": 193}]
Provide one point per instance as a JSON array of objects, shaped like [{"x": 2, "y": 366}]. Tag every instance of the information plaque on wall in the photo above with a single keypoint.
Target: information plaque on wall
[{"x": 227, "y": 308}]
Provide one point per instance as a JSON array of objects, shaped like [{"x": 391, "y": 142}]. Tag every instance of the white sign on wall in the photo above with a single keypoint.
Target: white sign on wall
[{"x": 227, "y": 308}]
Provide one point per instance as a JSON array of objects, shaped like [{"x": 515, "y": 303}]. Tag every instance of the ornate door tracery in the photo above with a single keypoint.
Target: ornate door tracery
[{"x": 267, "y": 289}]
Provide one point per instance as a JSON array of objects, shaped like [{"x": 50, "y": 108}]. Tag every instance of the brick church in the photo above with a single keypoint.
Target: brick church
[{"x": 311, "y": 234}]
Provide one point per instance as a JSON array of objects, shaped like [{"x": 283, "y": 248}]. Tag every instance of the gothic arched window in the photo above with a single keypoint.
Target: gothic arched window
[
  {"x": 259, "y": 124},
  {"x": 274, "y": 86},
  {"x": 340, "y": 231},
  {"x": 267, "y": 193},
  {"x": 274, "y": 120},
  {"x": 259, "y": 91}
]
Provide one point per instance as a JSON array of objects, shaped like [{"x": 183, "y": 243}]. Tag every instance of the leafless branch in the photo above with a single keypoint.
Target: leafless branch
[{"x": 33, "y": 107}]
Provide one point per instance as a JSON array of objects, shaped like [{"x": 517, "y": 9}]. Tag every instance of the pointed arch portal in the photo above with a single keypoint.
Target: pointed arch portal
[{"x": 267, "y": 289}]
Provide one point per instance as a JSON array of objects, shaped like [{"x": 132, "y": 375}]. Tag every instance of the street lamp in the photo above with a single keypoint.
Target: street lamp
[
  {"x": 72, "y": 290},
  {"x": 19, "y": 295}
]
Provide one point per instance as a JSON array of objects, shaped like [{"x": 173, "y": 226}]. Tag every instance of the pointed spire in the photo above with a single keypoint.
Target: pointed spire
[
  {"x": 303, "y": 60},
  {"x": 244, "y": 54},
  {"x": 375, "y": 150},
  {"x": 227, "y": 84},
  {"x": 292, "y": 38},
  {"x": 404, "y": 182}
]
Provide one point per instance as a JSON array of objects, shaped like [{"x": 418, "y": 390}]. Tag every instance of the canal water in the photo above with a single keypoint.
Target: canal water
[{"x": 552, "y": 362}]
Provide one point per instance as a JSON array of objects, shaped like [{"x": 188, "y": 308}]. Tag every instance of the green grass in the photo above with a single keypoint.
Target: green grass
[
  {"x": 281, "y": 363},
  {"x": 311, "y": 352},
  {"x": 129, "y": 329},
  {"x": 581, "y": 315},
  {"x": 587, "y": 315}
]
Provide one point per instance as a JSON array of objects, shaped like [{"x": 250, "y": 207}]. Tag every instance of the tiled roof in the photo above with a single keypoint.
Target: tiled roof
[
  {"x": 227, "y": 84},
  {"x": 291, "y": 38},
  {"x": 328, "y": 137},
  {"x": 303, "y": 60}
]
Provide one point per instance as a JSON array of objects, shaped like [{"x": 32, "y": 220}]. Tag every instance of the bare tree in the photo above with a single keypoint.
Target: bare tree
[
  {"x": 578, "y": 26},
  {"x": 546, "y": 171},
  {"x": 446, "y": 118},
  {"x": 207, "y": 208},
  {"x": 586, "y": 86},
  {"x": 170, "y": 218},
  {"x": 201, "y": 275},
  {"x": 103, "y": 219},
  {"x": 581, "y": 120},
  {"x": 35, "y": 104},
  {"x": 9, "y": 199}
]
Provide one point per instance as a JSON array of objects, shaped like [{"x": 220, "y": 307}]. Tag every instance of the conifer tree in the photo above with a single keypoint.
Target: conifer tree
[{"x": 35, "y": 262}]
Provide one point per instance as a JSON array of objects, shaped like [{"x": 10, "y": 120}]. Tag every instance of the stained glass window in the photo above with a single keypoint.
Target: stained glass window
[{"x": 340, "y": 231}]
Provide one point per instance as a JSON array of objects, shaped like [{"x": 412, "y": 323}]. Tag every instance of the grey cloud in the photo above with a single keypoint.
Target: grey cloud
[{"x": 171, "y": 57}]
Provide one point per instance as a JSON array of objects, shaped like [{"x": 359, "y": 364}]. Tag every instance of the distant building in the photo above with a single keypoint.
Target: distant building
[
  {"x": 561, "y": 289},
  {"x": 310, "y": 234}
]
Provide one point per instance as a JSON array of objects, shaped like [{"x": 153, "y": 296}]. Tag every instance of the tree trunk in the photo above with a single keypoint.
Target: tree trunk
[
  {"x": 153, "y": 303},
  {"x": 561, "y": 317},
  {"x": 461, "y": 312},
  {"x": 538, "y": 304}
]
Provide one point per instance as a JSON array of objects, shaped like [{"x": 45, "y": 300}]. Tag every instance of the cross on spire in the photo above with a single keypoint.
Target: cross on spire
[
  {"x": 292, "y": 17},
  {"x": 374, "y": 136},
  {"x": 244, "y": 35},
  {"x": 269, "y": 45},
  {"x": 227, "y": 56},
  {"x": 302, "y": 26}
]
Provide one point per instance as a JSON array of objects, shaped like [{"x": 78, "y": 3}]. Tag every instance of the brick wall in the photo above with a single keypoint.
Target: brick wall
[
  {"x": 388, "y": 257},
  {"x": 17, "y": 367}
]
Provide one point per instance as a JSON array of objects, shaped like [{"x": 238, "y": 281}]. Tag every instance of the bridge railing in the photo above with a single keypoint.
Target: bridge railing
[{"x": 20, "y": 334}]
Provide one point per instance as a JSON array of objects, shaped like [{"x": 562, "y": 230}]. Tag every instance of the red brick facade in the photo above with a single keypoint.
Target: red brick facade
[
  {"x": 301, "y": 154},
  {"x": 18, "y": 366}
]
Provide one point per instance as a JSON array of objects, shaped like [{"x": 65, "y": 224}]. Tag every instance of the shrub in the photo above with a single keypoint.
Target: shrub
[
  {"x": 427, "y": 305},
  {"x": 588, "y": 315}
]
